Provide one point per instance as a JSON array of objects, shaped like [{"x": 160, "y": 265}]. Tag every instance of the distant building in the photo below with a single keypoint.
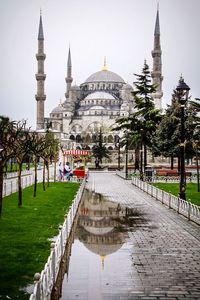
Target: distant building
[{"x": 95, "y": 104}]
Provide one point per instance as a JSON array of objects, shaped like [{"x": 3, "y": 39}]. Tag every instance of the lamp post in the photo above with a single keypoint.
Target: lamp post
[
  {"x": 141, "y": 155},
  {"x": 182, "y": 94},
  {"x": 118, "y": 148},
  {"x": 126, "y": 154},
  {"x": 195, "y": 144}
]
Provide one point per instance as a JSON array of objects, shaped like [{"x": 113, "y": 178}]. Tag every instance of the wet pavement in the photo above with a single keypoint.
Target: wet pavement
[{"x": 129, "y": 246}]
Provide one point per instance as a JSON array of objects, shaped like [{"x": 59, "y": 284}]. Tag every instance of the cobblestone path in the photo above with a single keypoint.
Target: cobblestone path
[{"x": 162, "y": 252}]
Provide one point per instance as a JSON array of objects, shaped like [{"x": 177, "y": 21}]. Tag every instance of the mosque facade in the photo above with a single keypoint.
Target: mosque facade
[{"x": 93, "y": 105}]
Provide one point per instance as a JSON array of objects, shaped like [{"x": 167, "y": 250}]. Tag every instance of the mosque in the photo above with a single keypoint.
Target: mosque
[{"x": 96, "y": 103}]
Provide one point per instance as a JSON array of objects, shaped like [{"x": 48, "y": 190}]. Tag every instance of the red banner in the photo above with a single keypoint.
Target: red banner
[{"x": 76, "y": 152}]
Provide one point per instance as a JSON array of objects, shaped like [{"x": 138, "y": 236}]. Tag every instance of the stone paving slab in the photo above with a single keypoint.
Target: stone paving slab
[{"x": 164, "y": 249}]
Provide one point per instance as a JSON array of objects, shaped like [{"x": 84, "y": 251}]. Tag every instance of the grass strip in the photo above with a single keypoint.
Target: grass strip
[
  {"x": 173, "y": 188},
  {"x": 24, "y": 234}
]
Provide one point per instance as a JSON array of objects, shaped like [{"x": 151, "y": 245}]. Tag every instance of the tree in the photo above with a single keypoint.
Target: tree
[
  {"x": 146, "y": 112},
  {"x": 22, "y": 147},
  {"x": 38, "y": 146},
  {"x": 99, "y": 150},
  {"x": 166, "y": 141},
  {"x": 49, "y": 153},
  {"x": 133, "y": 126},
  {"x": 142, "y": 123},
  {"x": 8, "y": 135}
]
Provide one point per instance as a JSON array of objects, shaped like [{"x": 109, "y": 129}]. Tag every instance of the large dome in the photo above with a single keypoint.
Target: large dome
[
  {"x": 99, "y": 95},
  {"x": 104, "y": 76}
]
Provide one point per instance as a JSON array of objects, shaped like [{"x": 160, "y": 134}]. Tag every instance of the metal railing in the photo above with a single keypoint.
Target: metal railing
[
  {"x": 183, "y": 207},
  {"x": 10, "y": 185},
  {"x": 45, "y": 281}
]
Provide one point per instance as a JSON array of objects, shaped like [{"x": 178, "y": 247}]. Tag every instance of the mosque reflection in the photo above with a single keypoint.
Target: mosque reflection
[{"x": 102, "y": 225}]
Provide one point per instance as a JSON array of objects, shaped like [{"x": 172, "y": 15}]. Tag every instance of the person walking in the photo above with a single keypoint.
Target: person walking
[{"x": 60, "y": 171}]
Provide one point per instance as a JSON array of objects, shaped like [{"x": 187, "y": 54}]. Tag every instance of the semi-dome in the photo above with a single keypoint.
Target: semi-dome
[
  {"x": 99, "y": 95},
  {"x": 104, "y": 76},
  {"x": 127, "y": 86}
]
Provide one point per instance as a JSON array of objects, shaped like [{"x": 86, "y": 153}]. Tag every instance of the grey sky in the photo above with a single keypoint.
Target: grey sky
[{"x": 121, "y": 30}]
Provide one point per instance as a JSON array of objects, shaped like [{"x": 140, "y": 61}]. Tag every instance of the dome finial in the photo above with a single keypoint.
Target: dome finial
[
  {"x": 102, "y": 257},
  {"x": 104, "y": 65}
]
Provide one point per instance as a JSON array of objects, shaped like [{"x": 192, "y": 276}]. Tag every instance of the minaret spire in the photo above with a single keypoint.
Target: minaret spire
[
  {"x": 69, "y": 78},
  {"x": 40, "y": 77},
  {"x": 157, "y": 64},
  {"x": 40, "y": 33}
]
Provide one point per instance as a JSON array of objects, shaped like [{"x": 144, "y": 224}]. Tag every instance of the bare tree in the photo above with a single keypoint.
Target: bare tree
[
  {"x": 8, "y": 135},
  {"x": 22, "y": 147}
]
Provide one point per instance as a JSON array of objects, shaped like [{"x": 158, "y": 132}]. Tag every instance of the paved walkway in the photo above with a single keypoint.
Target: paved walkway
[{"x": 165, "y": 249}]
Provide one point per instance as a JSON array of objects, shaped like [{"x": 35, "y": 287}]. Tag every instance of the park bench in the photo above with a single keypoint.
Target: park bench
[{"x": 172, "y": 173}]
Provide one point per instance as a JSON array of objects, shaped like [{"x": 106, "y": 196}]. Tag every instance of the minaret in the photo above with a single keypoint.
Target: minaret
[
  {"x": 69, "y": 78},
  {"x": 40, "y": 77},
  {"x": 157, "y": 65}
]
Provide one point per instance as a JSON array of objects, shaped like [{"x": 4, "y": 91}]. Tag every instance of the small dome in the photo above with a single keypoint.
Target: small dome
[
  {"x": 75, "y": 88},
  {"x": 99, "y": 95},
  {"x": 58, "y": 109},
  {"x": 104, "y": 76}
]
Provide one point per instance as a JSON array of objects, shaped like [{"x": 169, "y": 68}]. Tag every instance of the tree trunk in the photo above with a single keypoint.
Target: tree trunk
[
  {"x": 137, "y": 158},
  {"x": 145, "y": 156},
  {"x": 43, "y": 181},
  {"x": 48, "y": 173},
  {"x": 1, "y": 188},
  {"x": 179, "y": 165},
  {"x": 35, "y": 181},
  {"x": 20, "y": 185},
  {"x": 54, "y": 170},
  {"x": 172, "y": 162}
]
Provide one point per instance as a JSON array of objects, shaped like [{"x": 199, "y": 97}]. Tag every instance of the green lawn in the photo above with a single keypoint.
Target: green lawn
[
  {"x": 173, "y": 188},
  {"x": 24, "y": 233}
]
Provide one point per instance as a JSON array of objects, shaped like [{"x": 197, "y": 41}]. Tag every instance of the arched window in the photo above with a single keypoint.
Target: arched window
[
  {"x": 78, "y": 138},
  {"x": 88, "y": 138},
  {"x": 94, "y": 138},
  {"x": 71, "y": 137},
  {"x": 110, "y": 148},
  {"x": 110, "y": 139}
]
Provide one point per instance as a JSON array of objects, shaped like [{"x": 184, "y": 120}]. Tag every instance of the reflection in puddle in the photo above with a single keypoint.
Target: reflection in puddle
[{"x": 100, "y": 251}]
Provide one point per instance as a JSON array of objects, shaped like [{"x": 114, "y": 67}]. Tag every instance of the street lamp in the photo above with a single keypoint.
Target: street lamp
[
  {"x": 126, "y": 154},
  {"x": 118, "y": 148},
  {"x": 182, "y": 94}
]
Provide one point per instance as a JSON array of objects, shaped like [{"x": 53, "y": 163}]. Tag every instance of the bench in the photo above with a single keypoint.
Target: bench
[{"x": 174, "y": 173}]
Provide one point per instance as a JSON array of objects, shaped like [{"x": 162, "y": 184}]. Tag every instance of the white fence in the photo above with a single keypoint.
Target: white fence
[
  {"x": 185, "y": 208},
  {"x": 14, "y": 174},
  {"x": 10, "y": 185},
  {"x": 45, "y": 281}
]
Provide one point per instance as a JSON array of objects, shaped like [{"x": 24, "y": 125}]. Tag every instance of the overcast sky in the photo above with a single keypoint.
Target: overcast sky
[{"x": 121, "y": 30}]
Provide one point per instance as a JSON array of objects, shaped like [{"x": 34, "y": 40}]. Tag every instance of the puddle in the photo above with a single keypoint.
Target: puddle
[{"x": 97, "y": 258}]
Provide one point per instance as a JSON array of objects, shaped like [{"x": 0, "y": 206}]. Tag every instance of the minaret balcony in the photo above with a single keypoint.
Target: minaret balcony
[
  {"x": 68, "y": 79},
  {"x": 156, "y": 53},
  {"x": 40, "y": 56},
  {"x": 39, "y": 76},
  {"x": 40, "y": 97}
]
